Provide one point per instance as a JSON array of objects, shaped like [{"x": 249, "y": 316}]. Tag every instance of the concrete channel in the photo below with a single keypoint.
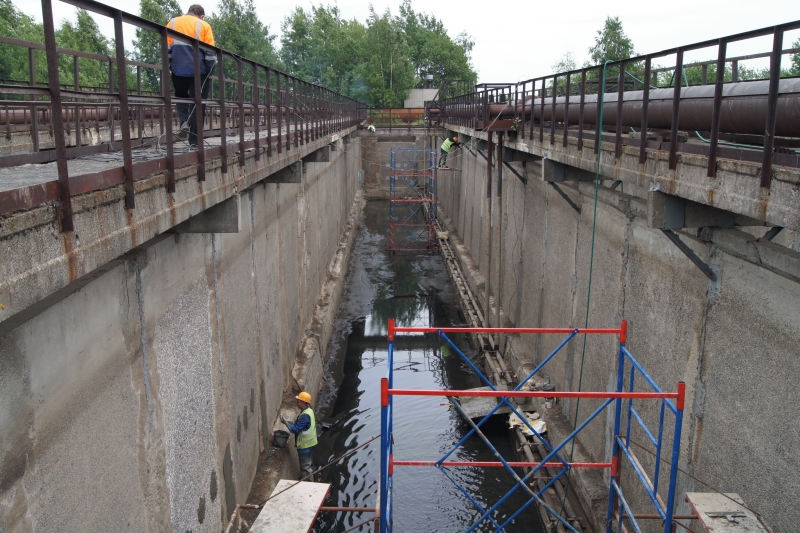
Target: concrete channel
[{"x": 147, "y": 356}]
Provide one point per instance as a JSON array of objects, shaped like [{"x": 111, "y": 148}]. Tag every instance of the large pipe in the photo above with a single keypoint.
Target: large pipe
[
  {"x": 100, "y": 113},
  {"x": 744, "y": 108}
]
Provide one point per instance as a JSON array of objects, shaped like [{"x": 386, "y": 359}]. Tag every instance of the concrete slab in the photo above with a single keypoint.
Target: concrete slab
[
  {"x": 477, "y": 407},
  {"x": 291, "y": 511},
  {"x": 723, "y": 513}
]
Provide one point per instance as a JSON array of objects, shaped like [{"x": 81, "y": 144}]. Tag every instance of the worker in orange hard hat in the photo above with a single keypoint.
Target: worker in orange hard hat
[
  {"x": 447, "y": 147},
  {"x": 182, "y": 66},
  {"x": 305, "y": 427}
]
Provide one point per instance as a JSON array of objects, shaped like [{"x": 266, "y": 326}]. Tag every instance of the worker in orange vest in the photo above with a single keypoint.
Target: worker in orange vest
[{"x": 182, "y": 66}]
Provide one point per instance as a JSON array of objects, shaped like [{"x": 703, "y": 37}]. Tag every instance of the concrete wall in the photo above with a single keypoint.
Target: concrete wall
[
  {"x": 140, "y": 398},
  {"x": 733, "y": 342}
]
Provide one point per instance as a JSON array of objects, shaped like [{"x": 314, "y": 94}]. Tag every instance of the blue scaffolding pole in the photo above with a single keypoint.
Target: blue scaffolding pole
[{"x": 618, "y": 507}]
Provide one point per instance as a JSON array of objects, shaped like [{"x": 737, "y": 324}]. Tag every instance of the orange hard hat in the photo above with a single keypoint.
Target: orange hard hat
[
  {"x": 304, "y": 397},
  {"x": 455, "y": 139}
]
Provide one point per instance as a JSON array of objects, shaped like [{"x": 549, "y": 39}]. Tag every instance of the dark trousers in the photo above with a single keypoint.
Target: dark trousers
[
  {"x": 184, "y": 88},
  {"x": 306, "y": 465},
  {"x": 443, "y": 159}
]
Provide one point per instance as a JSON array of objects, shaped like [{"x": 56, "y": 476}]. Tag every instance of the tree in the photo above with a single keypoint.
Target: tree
[
  {"x": 611, "y": 43},
  {"x": 387, "y": 71},
  {"x": 238, "y": 29},
  {"x": 147, "y": 43},
  {"x": 85, "y": 36},
  {"x": 565, "y": 64},
  {"x": 432, "y": 51},
  {"x": 14, "y": 59},
  {"x": 794, "y": 70}
]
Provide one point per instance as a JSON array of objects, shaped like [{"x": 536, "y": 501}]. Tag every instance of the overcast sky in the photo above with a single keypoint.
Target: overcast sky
[{"x": 518, "y": 40}]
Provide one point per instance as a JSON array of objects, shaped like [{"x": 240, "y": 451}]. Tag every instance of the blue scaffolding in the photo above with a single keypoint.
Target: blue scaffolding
[
  {"x": 412, "y": 207},
  {"x": 619, "y": 510}
]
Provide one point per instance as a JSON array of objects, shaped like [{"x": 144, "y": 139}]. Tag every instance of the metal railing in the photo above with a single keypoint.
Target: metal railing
[
  {"x": 759, "y": 121},
  {"x": 277, "y": 111}
]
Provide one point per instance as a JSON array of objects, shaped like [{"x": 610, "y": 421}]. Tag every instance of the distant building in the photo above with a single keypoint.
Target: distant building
[{"x": 418, "y": 97}]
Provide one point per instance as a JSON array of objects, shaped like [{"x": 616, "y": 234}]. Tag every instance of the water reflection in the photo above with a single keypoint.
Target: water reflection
[{"x": 416, "y": 292}]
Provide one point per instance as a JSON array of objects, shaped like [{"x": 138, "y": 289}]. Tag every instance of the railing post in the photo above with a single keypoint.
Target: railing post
[
  {"x": 772, "y": 103},
  {"x": 580, "y": 110},
  {"x": 256, "y": 97},
  {"x": 553, "y": 112},
  {"x": 620, "y": 98},
  {"x": 124, "y": 110},
  {"x": 645, "y": 105},
  {"x": 566, "y": 108},
  {"x": 541, "y": 111},
  {"x": 34, "y": 119},
  {"x": 279, "y": 109},
  {"x": 223, "y": 112},
  {"x": 198, "y": 112},
  {"x": 715, "y": 115},
  {"x": 240, "y": 98},
  {"x": 676, "y": 103},
  {"x": 166, "y": 115},
  {"x": 269, "y": 112},
  {"x": 56, "y": 119}
]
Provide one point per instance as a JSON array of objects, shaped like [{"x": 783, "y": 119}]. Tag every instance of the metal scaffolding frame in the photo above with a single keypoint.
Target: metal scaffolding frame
[
  {"x": 619, "y": 509},
  {"x": 412, "y": 200}
]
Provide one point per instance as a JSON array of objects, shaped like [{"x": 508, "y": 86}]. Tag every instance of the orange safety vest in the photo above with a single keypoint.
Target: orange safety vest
[{"x": 182, "y": 58}]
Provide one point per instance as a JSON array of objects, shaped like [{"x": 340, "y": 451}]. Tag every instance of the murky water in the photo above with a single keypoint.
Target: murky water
[{"x": 416, "y": 291}]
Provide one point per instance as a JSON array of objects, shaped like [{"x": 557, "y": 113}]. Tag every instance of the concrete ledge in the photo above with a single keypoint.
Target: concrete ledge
[
  {"x": 556, "y": 172},
  {"x": 323, "y": 155},
  {"x": 291, "y": 174},
  {"x": 665, "y": 211},
  {"x": 47, "y": 260},
  {"x": 736, "y": 187},
  {"x": 225, "y": 217}
]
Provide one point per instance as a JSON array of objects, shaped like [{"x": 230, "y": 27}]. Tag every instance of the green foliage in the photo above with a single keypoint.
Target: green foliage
[
  {"x": 432, "y": 51},
  {"x": 85, "y": 36},
  {"x": 237, "y": 29},
  {"x": 611, "y": 43},
  {"x": 148, "y": 44},
  {"x": 794, "y": 70},
  {"x": 14, "y": 59},
  {"x": 377, "y": 62},
  {"x": 565, "y": 64},
  {"x": 321, "y": 47},
  {"x": 387, "y": 70}
]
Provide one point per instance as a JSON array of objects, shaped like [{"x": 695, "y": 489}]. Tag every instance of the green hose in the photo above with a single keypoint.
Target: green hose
[{"x": 591, "y": 269}]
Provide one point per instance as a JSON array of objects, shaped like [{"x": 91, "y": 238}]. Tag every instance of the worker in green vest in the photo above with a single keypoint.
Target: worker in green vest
[
  {"x": 305, "y": 429},
  {"x": 447, "y": 146}
]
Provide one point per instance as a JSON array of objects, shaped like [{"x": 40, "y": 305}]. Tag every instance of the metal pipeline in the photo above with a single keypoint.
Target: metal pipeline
[
  {"x": 100, "y": 113},
  {"x": 744, "y": 108}
]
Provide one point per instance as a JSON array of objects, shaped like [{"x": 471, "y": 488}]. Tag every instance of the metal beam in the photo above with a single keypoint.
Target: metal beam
[
  {"x": 688, "y": 252},
  {"x": 572, "y": 204}
]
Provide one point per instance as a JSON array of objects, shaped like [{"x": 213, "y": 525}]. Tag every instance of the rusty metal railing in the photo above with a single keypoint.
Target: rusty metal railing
[
  {"x": 265, "y": 108},
  {"x": 760, "y": 121}
]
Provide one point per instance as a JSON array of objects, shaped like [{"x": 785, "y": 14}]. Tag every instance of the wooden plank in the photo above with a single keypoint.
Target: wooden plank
[
  {"x": 723, "y": 513},
  {"x": 292, "y": 511}
]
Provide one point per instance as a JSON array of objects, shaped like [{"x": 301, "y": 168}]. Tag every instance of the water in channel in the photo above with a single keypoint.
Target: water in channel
[{"x": 416, "y": 291}]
